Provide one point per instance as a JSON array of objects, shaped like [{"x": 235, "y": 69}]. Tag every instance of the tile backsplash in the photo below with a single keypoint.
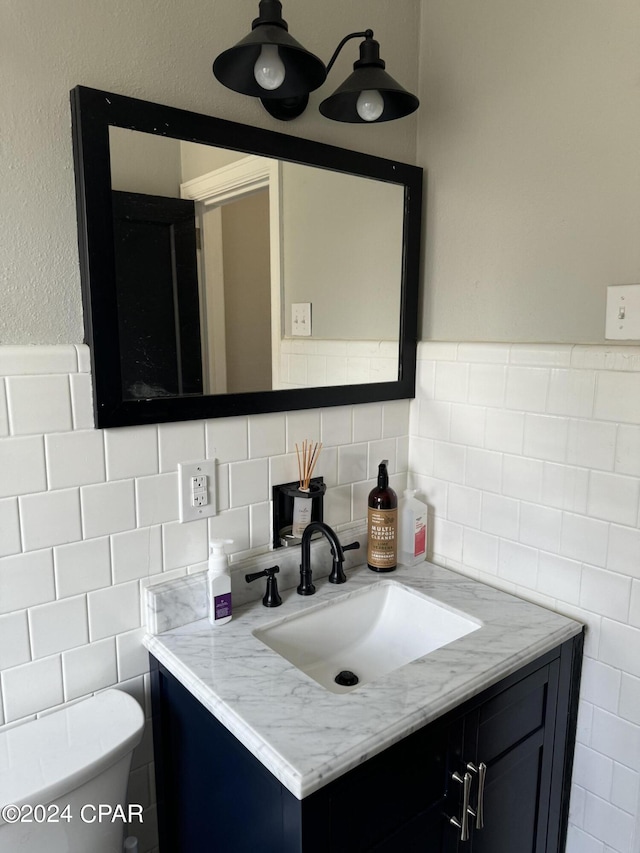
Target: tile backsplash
[
  {"x": 89, "y": 517},
  {"x": 528, "y": 456},
  {"x": 529, "y": 459},
  {"x": 312, "y": 362}
]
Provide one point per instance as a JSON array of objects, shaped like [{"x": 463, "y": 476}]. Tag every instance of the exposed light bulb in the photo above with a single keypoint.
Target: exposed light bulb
[
  {"x": 269, "y": 68},
  {"x": 370, "y": 105}
]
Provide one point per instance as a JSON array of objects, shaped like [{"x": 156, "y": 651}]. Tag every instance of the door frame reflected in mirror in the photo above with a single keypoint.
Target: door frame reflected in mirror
[
  {"x": 93, "y": 112},
  {"x": 228, "y": 184}
]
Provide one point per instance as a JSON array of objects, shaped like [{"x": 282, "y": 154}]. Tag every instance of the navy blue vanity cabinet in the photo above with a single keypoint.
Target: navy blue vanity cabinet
[{"x": 213, "y": 795}]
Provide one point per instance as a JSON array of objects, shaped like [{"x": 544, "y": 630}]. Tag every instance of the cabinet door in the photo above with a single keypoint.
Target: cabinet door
[
  {"x": 397, "y": 800},
  {"x": 213, "y": 795},
  {"x": 511, "y": 801},
  {"x": 512, "y": 735},
  {"x": 426, "y": 833}
]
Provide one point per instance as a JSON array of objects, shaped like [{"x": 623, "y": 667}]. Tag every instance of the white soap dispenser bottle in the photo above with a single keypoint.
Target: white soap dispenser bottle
[{"x": 219, "y": 583}]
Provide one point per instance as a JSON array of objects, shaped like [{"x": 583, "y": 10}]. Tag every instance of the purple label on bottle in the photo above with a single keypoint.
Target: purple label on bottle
[{"x": 222, "y": 605}]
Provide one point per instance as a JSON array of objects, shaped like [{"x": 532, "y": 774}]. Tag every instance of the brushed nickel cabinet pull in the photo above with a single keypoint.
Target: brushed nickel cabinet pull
[
  {"x": 482, "y": 775},
  {"x": 463, "y": 825},
  {"x": 481, "y": 772}
]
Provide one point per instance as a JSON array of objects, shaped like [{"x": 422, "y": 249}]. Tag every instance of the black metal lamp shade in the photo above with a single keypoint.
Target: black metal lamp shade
[
  {"x": 303, "y": 71},
  {"x": 369, "y": 75},
  {"x": 342, "y": 105}
]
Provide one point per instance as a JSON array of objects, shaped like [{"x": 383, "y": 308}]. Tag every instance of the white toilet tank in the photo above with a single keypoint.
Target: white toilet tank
[{"x": 78, "y": 757}]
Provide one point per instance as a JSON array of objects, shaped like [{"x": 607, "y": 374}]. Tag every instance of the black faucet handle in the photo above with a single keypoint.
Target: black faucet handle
[
  {"x": 343, "y": 548},
  {"x": 265, "y": 573},
  {"x": 272, "y": 596}
]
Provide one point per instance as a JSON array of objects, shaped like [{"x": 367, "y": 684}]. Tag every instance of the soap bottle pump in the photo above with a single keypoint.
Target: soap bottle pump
[{"x": 219, "y": 583}]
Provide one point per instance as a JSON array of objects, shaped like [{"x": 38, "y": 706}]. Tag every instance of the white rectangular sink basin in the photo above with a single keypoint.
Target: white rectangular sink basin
[{"x": 369, "y": 632}]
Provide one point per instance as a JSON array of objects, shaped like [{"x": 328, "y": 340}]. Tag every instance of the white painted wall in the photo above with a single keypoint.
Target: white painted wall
[
  {"x": 198, "y": 159},
  {"x": 530, "y": 133},
  {"x": 160, "y": 51},
  {"x": 344, "y": 254},
  {"x": 247, "y": 293},
  {"x": 144, "y": 163}
]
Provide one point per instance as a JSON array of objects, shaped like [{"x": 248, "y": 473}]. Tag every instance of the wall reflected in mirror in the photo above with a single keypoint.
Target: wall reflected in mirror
[{"x": 214, "y": 248}]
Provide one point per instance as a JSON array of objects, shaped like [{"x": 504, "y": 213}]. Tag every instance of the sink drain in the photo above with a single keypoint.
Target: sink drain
[{"x": 346, "y": 678}]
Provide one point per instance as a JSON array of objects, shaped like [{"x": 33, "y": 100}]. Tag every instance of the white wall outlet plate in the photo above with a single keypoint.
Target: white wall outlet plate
[
  {"x": 301, "y": 319},
  {"x": 623, "y": 312},
  {"x": 197, "y": 489}
]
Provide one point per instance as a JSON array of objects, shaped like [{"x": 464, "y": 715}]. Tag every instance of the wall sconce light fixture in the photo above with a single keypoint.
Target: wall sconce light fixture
[{"x": 271, "y": 65}]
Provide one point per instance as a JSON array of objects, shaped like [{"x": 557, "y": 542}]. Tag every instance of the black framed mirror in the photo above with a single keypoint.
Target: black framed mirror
[{"x": 179, "y": 212}]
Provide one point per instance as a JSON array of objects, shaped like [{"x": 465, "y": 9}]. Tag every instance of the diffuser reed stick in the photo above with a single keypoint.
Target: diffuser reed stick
[{"x": 307, "y": 461}]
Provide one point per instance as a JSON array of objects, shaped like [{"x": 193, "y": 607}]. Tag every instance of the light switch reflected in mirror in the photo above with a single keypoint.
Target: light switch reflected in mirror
[{"x": 214, "y": 247}]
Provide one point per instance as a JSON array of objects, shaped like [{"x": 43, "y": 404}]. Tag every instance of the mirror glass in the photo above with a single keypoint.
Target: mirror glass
[
  {"x": 246, "y": 273},
  {"x": 230, "y": 270}
]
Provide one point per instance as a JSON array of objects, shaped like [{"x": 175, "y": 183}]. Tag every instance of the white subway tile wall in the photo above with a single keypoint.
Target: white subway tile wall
[
  {"x": 130, "y": 452},
  {"x": 529, "y": 459},
  {"x": 89, "y": 517},
  {"x": 38, "y": 404},
  {"x": 528, "y": 456},
  {"x": 309, "y": 362}
]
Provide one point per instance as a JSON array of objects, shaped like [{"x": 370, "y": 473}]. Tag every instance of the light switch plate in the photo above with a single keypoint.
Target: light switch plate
[
  {"x": 301, "y": 319},
  {"x": 623, "y": 312},
  {"x": 197, "y": 489}
]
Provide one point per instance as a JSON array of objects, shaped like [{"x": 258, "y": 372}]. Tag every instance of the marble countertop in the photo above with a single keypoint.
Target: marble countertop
[{"x": 307, "y": 736}]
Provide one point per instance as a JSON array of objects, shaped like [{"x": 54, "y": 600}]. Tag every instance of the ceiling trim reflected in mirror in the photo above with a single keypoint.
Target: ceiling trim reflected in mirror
[{"x": 93, "y": 114}]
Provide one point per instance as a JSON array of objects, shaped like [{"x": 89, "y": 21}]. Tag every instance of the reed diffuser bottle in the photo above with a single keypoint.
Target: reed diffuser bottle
[
  {"x": 302, "y": 503},
  {"x": 382, "y": 524}
]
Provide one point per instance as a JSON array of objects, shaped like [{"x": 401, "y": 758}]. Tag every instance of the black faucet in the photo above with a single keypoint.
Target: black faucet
[{"x": 337, "y": 575}]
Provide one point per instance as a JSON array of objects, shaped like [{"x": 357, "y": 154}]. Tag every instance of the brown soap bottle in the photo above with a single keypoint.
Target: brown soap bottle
[{"x": 382, "y": 524}]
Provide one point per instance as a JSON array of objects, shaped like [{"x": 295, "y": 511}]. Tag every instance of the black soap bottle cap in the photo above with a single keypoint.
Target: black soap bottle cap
[{"x": 383, "y": 474}]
